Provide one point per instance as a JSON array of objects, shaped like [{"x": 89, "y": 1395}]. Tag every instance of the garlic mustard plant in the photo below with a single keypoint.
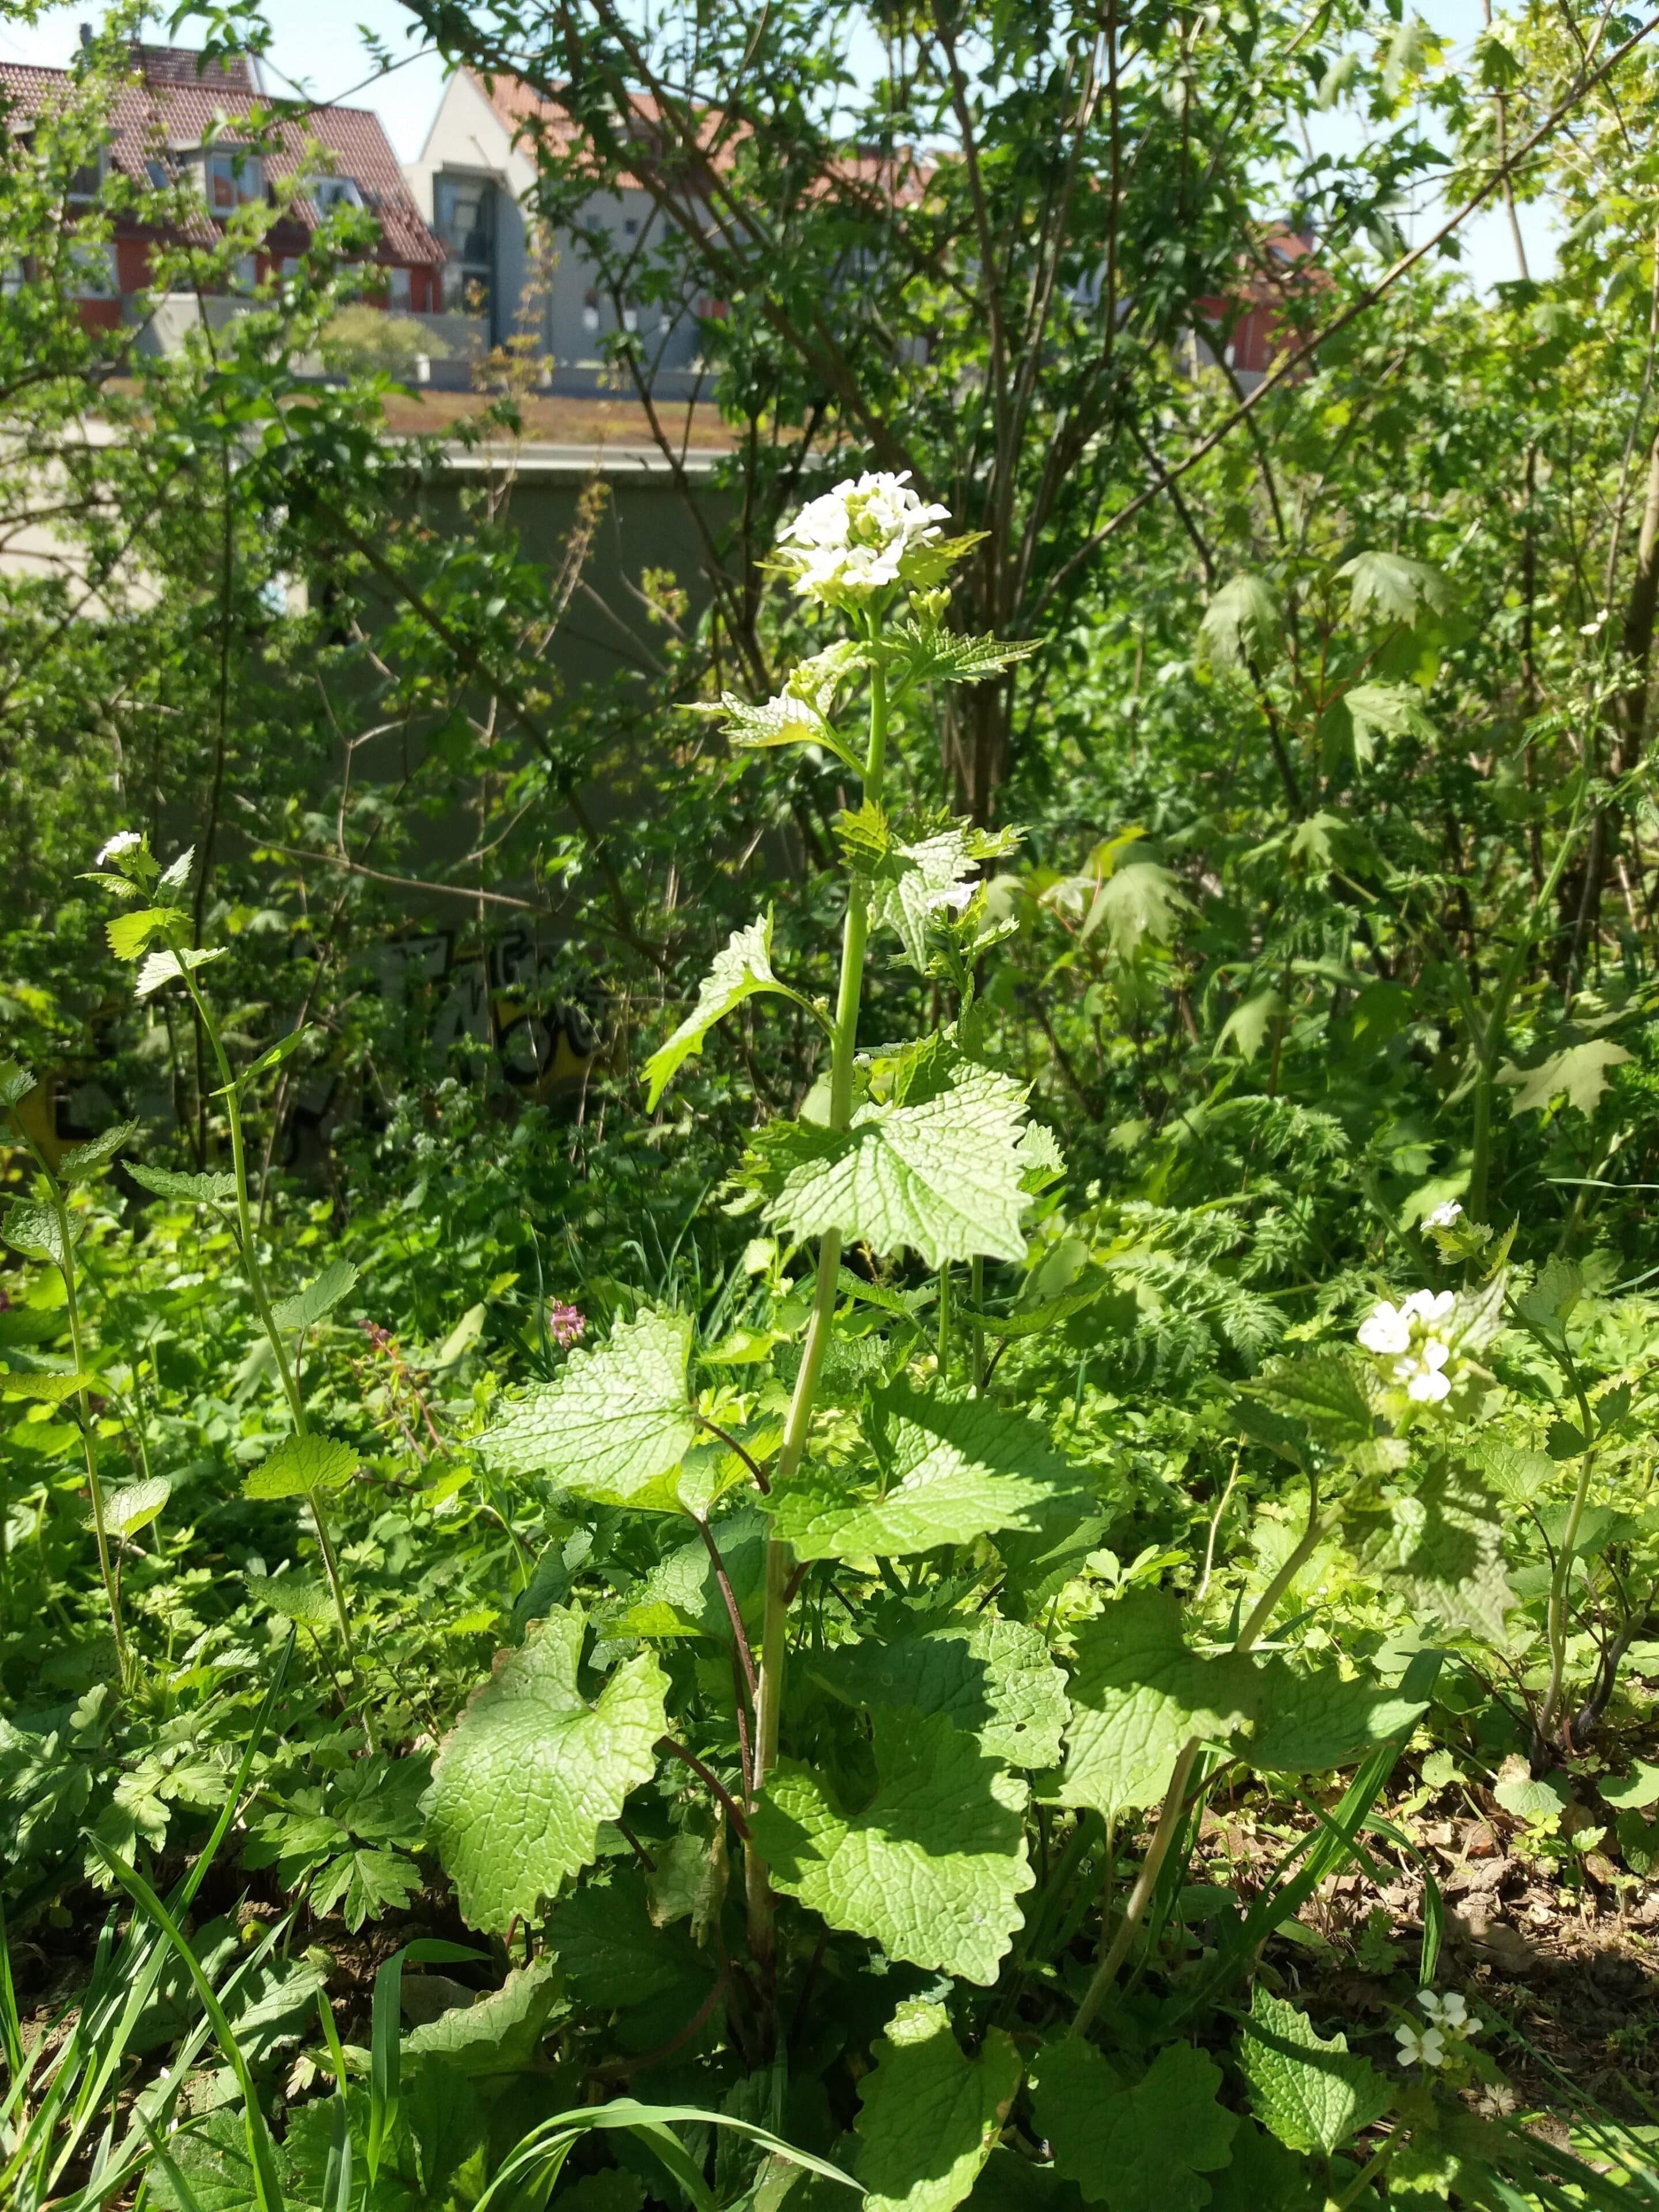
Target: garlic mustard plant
[
  {"x": 1414, "y": 1340},
  {"x": 863, "y": 539}
]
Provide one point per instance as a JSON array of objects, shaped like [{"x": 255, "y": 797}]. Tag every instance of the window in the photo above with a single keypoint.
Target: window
[
  {"x": 331, "y": 192},
  {"x": 84, "y": 182},
  {"x": 464, "y": 216},
  {"x": 160, "y": 176},
  {"x": 590, "y": 311},
  {"x": 398, "y": 289},
  {"x": 234, "y": 179}
]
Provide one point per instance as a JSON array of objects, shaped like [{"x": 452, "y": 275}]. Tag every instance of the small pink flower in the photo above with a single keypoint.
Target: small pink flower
[{"x": 565, "y": 1325}]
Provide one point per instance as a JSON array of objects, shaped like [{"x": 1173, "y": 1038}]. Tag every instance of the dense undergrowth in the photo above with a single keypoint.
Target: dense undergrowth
[{"x": 995, "y": 1546}]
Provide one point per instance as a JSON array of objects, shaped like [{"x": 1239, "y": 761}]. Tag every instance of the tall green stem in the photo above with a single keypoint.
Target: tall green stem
[
  {"x": 94, "y": 1487},
  {"x": 1561, "y": 1580},
  {"x": 83, "y": 1402},
  {"x": 256, "y": 1282},
  {"x": 780, "y": 1559},
  {"x": 1174, "y": 1797}
]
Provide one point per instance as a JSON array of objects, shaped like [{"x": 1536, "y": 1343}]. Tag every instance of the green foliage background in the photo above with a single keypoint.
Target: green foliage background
[{"x": 415, "y": 1464}]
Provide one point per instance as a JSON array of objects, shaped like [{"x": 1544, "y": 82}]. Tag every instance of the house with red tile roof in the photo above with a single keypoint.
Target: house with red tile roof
[
  {"x": 182, "y": 119},
  {"x": 476, "y": 178}
]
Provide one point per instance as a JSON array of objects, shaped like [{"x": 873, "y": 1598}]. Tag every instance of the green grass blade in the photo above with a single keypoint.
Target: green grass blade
[
  {"x": 262, "y": 2150},
  {"x": 384, "y": 2054}
]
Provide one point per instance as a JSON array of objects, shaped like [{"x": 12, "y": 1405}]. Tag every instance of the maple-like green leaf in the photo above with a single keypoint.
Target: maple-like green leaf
[
  {"x": 955, "y": 1469},
  {"x": 363, "y": 1883},
  {"x": 942, "y": 1177},
  {"x": 1142, "y": 901},
  {"x": 1246, "y": 1028},
  {"x": 1139, "y": 2148},
  {"x": 162, "y": 968},
  {"x": 744, "y": 968},
  {"x": 1241, "y": 623},
  {"x": 1387, "y": 588},
  {"x": 81, "y": 1159},
  {"x": 1138, "y": 1693},
  {"x": 931, "y": 1869},
  {"x": 162, "y": 1182},
  {"x": 617, "y": 1421},
  {"x": 319, "y": 1296},
  {"x": 931, "y": 2115},
  {"x": 297, "y": 1464},
  {"x": 16, "y": 1082},
  {"x": 994, "y": 1678},
  {"x": 1580, "y": 1071},
  {"x": 1385, "y": 710},
  {"x": 1313, "y": 2093},
  {"x": 530, "y": 1771}
]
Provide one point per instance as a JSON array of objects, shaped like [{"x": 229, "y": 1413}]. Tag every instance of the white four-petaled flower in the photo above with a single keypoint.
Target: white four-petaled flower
[
  {"x": 1420, "y": 2046},
  {"x": 854, "y": 540},
  {"x": 123, "y": 841},
  {"x": 1412, "y": 1337},
  {"x": 1448, "y": 2015},
  {"x": 1444, "y": 1217}
]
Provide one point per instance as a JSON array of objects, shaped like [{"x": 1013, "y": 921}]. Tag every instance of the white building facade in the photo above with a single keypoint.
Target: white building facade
[{"x": 473, "y": 183}]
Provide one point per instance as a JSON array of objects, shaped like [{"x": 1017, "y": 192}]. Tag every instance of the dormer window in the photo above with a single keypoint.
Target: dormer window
[
  {"x": 234, "y": 178},
  {"x": 333, "y": 192}
]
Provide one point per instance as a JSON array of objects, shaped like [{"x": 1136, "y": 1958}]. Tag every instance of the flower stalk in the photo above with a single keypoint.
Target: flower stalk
[
  {"x": 64, "y": 1258},
  {"x": 780, "y": 1558}
]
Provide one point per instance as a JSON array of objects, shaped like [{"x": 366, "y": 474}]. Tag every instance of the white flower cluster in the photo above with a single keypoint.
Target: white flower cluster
[
  {"x": 1448, "y": 2022},
  {"x": 1412, "y": 1337},
  {"x": 1444, "y": 1217},
  {"x": 855, "y": 539},
  {"x": 123, "y": 841}
]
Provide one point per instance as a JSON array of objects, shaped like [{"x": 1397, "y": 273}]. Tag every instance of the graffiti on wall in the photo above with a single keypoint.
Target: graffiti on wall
[{"x": 496, "y": 1010}]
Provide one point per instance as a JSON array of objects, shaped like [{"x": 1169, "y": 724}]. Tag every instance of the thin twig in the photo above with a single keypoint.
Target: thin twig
[
  {"x": 746, "y": 1656},
  {"x": 677, "y": 1750}
]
